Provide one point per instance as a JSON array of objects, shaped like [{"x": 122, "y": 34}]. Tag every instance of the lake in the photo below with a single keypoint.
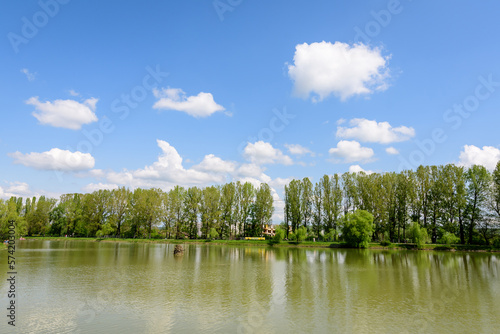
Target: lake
[{"x": 99, "y": 287}]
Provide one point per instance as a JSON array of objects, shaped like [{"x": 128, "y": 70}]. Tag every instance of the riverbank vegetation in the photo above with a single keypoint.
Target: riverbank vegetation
[{"x": 445, "y": 205}]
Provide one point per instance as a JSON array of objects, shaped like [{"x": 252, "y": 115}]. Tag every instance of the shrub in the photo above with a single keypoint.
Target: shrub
[
  {"x": 331, "y": 235},
  {"x": 279, "y": 235},
  {"x": 358, "y": 228},
  {"x": 449, "y": 238},
  {"x": 301, "y": 234},
  {"x": 418, "y": 235},
  {"x": 385, "y": 243},
  {"x": 213, "y": 234}
]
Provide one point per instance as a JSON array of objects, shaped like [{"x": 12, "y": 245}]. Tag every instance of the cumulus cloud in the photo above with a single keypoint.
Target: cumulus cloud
[
  {"x": 358, "y": 169},
  {"x": 252, "y": 173},
  {"x": 22, "y": 189},
  {"x": 340, "y": 69},
  {"x": 264, "y": 153},
  {"x": 297, "y": 149},
  {"x": 30, "y": 76},
  {"x": 211, "y": 163},
  {"x": 488, "y": 156},
  {"x": 55, "y": 159},
  {"x": 168, "y": 170},
  {"x": 351, "y": 151},
  {"x": 391, "y": 150},
  {"x": 69, "y": 114},
  {"x": 201, "y": 105},
  {"x": 91, "y": 187},
  {"x": 374, "y": 132}
]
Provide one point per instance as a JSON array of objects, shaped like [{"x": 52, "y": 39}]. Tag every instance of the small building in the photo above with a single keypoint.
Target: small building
[{"x": 268, "y": 230}]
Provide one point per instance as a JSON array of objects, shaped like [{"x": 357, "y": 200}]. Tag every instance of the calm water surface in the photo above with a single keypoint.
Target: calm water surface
[{"x": 89, "y": 287}]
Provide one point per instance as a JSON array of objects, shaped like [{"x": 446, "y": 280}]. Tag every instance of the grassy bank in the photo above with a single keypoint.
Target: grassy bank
[{"x": 306, "y": 244}]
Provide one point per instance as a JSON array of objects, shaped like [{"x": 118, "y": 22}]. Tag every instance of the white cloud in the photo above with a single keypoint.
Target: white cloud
[
  {"x": 55, "y": 159},
  {"x": 22, "y": 189},
  {"x": 297, "y": 149},
  {"x": 391, "y": 150},
  {"x": 375, "y": 132},
  {"x": 488, "y": 156},
  {"x": 264, "y": 153},
  {"x": 68, "y": 114},
  {"x": 168, "y": 171},
  {"x": 30, "y": 76},
  {"x": 16, "y": 189},
  {"x": 201, "y": 105},
  {"x": 351, "y": 151},
  {"x": 211, "y": 163},
  {"x": 91, "y": 187},
  {"x": 280, "y": 183},
  {"x": 252, "y": 173},
  {"x": 358, "y": 169},
  {"x": 73, "y": 93},
  {"x": 340, "y": 69}
]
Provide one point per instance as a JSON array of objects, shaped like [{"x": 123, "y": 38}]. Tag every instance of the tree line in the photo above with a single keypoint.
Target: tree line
[
  {"x": 229, "y": 211},
  {"x": 447, "y": 201}
]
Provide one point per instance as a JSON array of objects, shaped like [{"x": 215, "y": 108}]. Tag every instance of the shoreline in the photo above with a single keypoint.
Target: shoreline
[{"x": 261, "y": 243}]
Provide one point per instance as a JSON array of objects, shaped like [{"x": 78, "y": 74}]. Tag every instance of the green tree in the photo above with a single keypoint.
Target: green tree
[
  {"x": 300, "y": 234},
  {"x": 293, "y": 195},
  {"x": 146, "y": 205},
  {"x": 10, "y": 211},
  {"x": 210, "y": 208},
  {"x": 306, "y": 201},
  {"x": 279, "y": 235},
  {"x": 176, "y": 198},
  {"x": 37, "y": 218},
  {"x": 358, "y": 228},
  {"x": 228, "y": 210},
  {"x": 119, "y": 209},
  {"x": 494, "y": 200},
  {"x": 263, "y": 206},
  {"x": 192, "y": 207},
  {"x": 213, "y": 234},
  {"x": 245, "y": 194},
  {"x": 449, "y": 238},
  {"x": 317, "y": 213},
  {"x": 418, "y": 235},
  {"x": 96, "y": 210},
  {"x": 478, "y": 183}
]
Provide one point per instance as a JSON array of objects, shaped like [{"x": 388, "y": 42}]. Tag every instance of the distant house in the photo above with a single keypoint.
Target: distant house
[{"x": 268, "y": 230}]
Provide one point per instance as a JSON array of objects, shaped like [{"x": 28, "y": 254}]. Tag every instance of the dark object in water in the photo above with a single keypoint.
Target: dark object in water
[{"x": 178, "y": 250}]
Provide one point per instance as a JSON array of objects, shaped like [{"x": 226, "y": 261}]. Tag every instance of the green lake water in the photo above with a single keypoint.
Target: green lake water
[{"x": 89, "y": 287}]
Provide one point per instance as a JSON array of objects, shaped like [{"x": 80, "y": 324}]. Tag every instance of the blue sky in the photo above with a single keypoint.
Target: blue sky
[{"x": 375, "y": 86}]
